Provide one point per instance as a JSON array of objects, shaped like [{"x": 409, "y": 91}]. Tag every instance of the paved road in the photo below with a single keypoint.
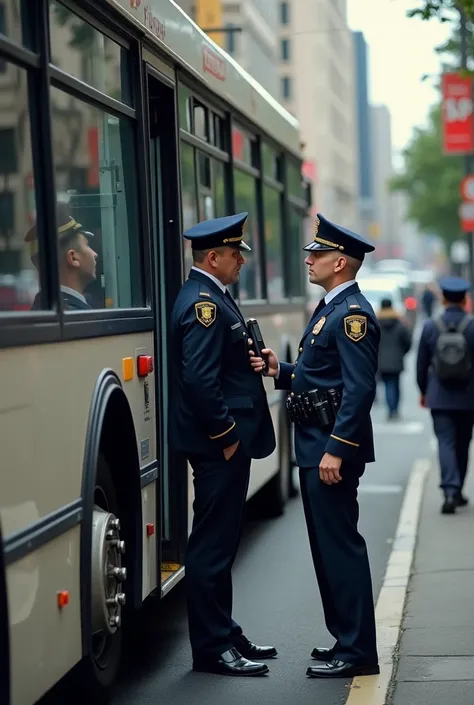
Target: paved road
[{"x": 276, "y": 598}]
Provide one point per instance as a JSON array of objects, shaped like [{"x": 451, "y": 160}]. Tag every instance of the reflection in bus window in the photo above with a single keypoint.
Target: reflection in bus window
[
  {"x": 295, "y": 268},
  {"x": 84, "y": 52},
  {"x": 189, "y": 198},
  {"x": 14, "y": 24},
  {"x": 273, "y": 244},
  {"x": 94, "y": 165},
  {"x": 19, "y": 281},
  {"x": 250, "y": 282}
]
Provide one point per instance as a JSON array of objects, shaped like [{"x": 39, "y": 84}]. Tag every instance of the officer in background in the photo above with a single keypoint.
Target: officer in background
[
  {"x": 220, "y": 420},
  {"x": 77, "y": 260},
  {"x": 332, "y": 389},
  {"x": 451, "y": 401}
]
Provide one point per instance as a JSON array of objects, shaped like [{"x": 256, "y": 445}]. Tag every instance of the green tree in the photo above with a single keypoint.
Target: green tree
[
  {"x": 442, "y": 9},
  {"x": 431, "y": 181}
]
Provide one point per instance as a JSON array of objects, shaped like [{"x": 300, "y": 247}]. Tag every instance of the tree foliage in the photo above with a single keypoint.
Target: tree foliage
[
  {"x": 431, "y": 181},
  {"x": 442, "y": 9}
]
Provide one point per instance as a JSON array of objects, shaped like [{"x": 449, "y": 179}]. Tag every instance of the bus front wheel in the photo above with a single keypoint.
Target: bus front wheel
[{"x": 108, "y": 574}]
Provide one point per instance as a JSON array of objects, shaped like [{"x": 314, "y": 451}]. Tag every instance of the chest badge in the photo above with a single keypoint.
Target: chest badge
[
  {"x": 355, "y": 327},
  {"x": 205, "y": 313},
  {"x": 319, "y": 325}
]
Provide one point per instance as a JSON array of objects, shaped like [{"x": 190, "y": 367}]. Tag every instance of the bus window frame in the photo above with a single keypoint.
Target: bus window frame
[{"x": 53, "y": 324}]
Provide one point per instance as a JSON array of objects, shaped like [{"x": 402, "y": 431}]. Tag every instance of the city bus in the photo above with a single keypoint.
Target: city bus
[{"x": 121, "y": 124}]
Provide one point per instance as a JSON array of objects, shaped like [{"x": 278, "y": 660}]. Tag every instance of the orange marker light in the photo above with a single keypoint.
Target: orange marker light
[
  {"x": 63, "y": 598},
  {"x": 150, "y": 529},
  {"x": 127, "y": 368}
]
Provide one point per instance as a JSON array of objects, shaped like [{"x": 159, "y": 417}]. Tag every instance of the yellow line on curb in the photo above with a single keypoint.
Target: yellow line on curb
[{"x": 373, "y": 690}]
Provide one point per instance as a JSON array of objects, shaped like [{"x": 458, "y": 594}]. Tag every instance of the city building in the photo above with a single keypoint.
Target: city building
[
  {"x": 368, "y": 227},
  {"x": 317, "y": 85}
]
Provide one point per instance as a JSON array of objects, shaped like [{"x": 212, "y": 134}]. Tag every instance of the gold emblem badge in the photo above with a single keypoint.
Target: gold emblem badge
[
  {"x": 205, "y": 313},
  {"x": 355, "y": 327},
  {"x": 319, "y": 325},
  {"x": 317, "y": 223}
]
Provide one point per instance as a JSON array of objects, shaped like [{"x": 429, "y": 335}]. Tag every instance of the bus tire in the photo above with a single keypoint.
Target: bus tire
[
  {"x": 273, "y": 497},
  {"x": 100, "y": 666}
]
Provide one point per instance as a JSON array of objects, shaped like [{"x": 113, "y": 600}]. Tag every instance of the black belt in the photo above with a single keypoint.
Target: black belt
[{"x": 314, "y": 408}]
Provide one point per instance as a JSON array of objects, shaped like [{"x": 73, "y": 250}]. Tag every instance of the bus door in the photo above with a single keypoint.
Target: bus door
[{"x": 167, "y": 266}]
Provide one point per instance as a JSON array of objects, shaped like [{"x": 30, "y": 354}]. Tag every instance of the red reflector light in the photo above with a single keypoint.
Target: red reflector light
[
  {"x": 150, "y": 529},
  {"x": 144, "y": 365},
  {"x": 63, "y": 598},
  {"x": 410, "y": 303}
]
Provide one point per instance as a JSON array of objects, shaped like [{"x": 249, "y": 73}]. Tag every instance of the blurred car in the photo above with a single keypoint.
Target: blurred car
[{"x": 377, "y": 287}]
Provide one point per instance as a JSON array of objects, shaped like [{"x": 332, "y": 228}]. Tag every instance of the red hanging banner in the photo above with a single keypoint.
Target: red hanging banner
[{"x": 457, "y": 117}]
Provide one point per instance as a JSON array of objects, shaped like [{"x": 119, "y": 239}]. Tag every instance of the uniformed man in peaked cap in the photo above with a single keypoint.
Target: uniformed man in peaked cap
[
  {"x": 447, "y": 387},
  {"x": 76, "y": 259},
  {"x": 219, "y": 420},
  {"x": 332, "y": 388}
]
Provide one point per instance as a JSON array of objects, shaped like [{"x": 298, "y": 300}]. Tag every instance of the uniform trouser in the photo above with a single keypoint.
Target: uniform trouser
[
  {"x": 220, "y": 491},
  {"x": 453, "y": 430},
  {"x": 392, "y": 390},
  {"x": 341, "y": 562}
]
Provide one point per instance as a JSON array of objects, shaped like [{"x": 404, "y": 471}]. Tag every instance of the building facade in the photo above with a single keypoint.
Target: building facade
[
  {"x": 364, "y": 139},
  {"x": 317, "y": 85}
]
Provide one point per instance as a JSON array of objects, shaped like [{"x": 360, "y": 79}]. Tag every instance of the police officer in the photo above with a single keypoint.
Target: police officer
[
  {"x": 77, "y": 260},
  {"x": 451, "y": 404},
  {"x": 220, "y": 420},
  {"x": 333, "y": 442}
]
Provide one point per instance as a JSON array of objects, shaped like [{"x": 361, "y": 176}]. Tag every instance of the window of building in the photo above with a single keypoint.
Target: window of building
[
  {"x": 20, "y": 280},
  {"x": 271, "y": 160},
  {"x": 95, "y": 175},
  {"x": 244, "y": 147},
  {"x": 273, "y": 244},
  {"x": 286, "y": 87},
  {"x": 284, "y": 13},
  {"x": 285, "y": 50},
  {"x": 250, "y": 282},
  {"x": 3, "y": 30},
  {"x": 82, "y": 51},
  {"x": 184, "y": 108}
]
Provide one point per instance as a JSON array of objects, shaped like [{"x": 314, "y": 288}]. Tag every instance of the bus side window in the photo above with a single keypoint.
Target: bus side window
[
  {"x": 94, "y": 162},
  {"x": 20, "y": 285}
]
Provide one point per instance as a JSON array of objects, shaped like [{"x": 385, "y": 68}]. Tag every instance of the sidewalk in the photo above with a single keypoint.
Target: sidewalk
[{"x": 435, "y": 664}]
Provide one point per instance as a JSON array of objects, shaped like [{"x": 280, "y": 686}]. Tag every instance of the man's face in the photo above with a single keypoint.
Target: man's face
[
  {"x": 83, "y": 259},
  {"x": 321, "y": 266},
  {"x": 227, "y": 263}
]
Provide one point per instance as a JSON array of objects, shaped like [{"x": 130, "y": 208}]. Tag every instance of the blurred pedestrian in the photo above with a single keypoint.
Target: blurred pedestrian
[
  {"x": 428, "y": 301},
  {"x": 395, "y": 342},
  {"x": 445, "y": 376}
]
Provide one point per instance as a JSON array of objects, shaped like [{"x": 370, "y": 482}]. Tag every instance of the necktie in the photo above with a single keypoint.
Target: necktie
[{"x": 319, "y": 307}]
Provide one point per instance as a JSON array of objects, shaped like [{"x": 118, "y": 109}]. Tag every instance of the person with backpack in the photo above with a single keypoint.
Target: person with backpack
[
  {"x": 395, "y": 342},
  {"x": 445, "y": 377}
]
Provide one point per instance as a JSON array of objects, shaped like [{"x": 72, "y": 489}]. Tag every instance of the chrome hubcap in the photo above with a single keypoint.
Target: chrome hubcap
[{"x": 107, "y": 573}]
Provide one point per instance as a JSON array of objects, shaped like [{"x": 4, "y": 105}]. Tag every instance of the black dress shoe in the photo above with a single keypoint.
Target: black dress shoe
[
  {"x": 251, "y": 651},
  {"x": 322, "y": 654},
  {"x": 230, "y": 663},
  {"x": 449, "y": 506},
  {"x": 461, "y": 500},
  {"x": 342, "y": 669}
]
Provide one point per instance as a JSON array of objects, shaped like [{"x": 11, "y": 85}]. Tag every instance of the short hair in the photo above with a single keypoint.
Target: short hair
[
  {"x": 386, "y": 303},
  {"x": 454, "y": 297},
  {"x": 200, "y": 255}
]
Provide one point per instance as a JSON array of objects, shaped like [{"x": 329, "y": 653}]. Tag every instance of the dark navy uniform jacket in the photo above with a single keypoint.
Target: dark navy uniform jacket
[
  {"x": 438, "y": 396},
  {"x": 339, "y": 349},
  {"x": 220, "y": 399}
]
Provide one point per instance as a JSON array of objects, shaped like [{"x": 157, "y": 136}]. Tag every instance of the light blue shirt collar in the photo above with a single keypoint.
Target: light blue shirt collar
[
  {"x": 212, "y": 278},
  {"x": 337, "y": 290}
]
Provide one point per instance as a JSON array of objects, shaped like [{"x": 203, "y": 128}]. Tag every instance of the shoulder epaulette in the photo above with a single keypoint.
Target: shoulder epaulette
[{"x": 352, "y": 303}]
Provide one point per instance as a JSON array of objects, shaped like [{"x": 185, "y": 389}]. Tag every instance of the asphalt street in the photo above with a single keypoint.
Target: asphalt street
[{"x": 275, "y": 592}]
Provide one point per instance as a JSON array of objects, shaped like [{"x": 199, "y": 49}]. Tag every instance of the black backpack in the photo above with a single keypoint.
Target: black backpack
[{"x": 452, "y": 359}]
